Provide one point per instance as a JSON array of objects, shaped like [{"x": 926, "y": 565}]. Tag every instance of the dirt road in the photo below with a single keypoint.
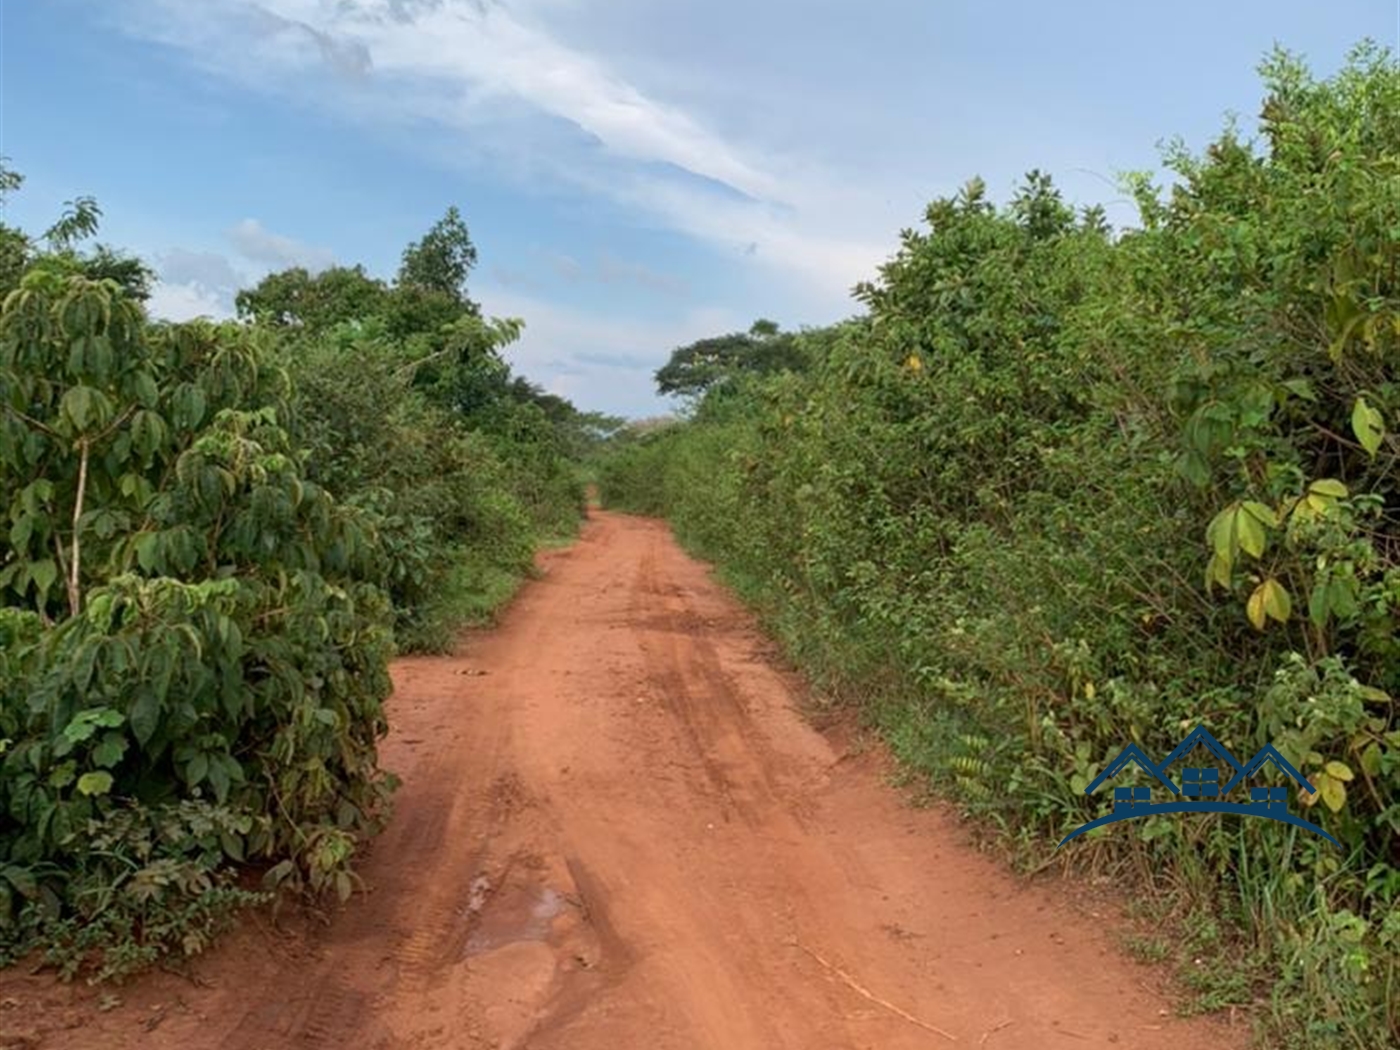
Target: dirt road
[{"x": 616, "y": 831}]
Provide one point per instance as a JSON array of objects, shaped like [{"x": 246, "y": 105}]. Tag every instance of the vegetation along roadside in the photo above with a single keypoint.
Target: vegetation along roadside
[
  {"x": 212, "y": 539},
  {"x": 1063, "y": 487}
]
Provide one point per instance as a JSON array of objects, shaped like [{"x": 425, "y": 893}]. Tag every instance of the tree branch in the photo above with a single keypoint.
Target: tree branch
[{"x": 75, "y": 598}]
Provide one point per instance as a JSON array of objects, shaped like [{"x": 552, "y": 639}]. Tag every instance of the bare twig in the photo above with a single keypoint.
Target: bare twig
[
  {"x": 992, "y": 1031},
  {"x": 30, "y": 421},
  {"x": 855, "y": 986}
]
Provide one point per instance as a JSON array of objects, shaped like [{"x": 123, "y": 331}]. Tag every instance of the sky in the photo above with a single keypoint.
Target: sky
[{"x": 636, "y": 174}]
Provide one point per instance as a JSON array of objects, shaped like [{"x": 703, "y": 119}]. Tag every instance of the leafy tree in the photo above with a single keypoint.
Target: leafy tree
[
  {"x": 698, "y": 367},
  {"x": 79, "y": 221},
  {"x": 214, "y": 535},
  {"x": 208, "y": 652},
  {"x": 442, "y": 260},
  {"x": 295, "y": 298}
]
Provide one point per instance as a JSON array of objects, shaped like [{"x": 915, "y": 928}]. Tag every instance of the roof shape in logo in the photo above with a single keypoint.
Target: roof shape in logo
[
  {"x": 1201, "y": 735},
  {"x": 1131, "y": 753},
  {"x": 1268, "y": 753}
]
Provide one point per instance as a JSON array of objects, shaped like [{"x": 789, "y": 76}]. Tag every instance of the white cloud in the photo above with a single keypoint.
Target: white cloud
[
  {"x": 493, "y": 73},
  {"x": 186, "y": 301},
  {"x": 258, "y": 244},
  {"x": 209, "y": 270},
  {"x": 604, "y": 362}
]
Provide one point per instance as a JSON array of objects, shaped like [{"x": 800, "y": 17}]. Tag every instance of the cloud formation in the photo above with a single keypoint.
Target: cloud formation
[
  {"x": 197, "y": 283},
  {"x": 257, "y": 243},
  {"x": 495, "y": 74}
]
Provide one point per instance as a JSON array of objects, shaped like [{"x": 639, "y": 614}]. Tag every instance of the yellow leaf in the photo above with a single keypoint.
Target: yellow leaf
[
  {"x": 913, "y": 363},
  {"x": 1277, "y": 602},
  {"x": 1089, "y": 690},
  {"x": 1328, "y": 487},
  {"x": 1263, "y": 514},
  {"x": 1309, "y": 798},
  {"x": 1254, "y": 608},
  {"x": 1333, "y": 791},
  {"x": 1340, "y": 770}
]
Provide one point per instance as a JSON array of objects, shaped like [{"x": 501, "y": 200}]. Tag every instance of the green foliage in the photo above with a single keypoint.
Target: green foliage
[
  {"x": 442, "y": 260},
  {"x": 1062, "y": 489},
  {"x": 207, "y": 629},
  {"x": 211, "y": 538},
  {"x": 700, "y": 366},
  {"x": 313, "y": 303},
  {"x": 79, "y": 221},
  {"x": 438, "y": 492}
]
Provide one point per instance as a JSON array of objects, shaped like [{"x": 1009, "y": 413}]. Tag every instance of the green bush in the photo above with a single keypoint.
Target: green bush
[
  {"x": 1063, "y": 488},
  {"x": 214, "y": 536},
  {"x": 201, "y": 641}
]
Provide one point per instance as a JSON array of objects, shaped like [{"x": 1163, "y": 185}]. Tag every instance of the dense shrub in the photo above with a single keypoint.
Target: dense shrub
[
  {"x": 1064, "y": 488},
  {"x": 200, "y": 672},
  {"x": 214, "y": 536}
]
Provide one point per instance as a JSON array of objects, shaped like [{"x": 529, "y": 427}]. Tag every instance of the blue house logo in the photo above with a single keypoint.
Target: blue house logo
[{"x": 1201, "y": 790}]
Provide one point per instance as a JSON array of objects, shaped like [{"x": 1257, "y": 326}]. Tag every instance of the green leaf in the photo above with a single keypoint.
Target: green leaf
[
  {"x": 81, "y": 728},
  {"x": 20, "y": 532},
  {"x": 110, "y": 751},
  {"x": 145, "y": 716},
  {"x": 218, "y": 778},
  {"x": 197, "y": 769},
  {"x": 95, "y": 783},
  {"x": 43, "y": 573},
  {"x": 1368, "y": 425},
  {"x": 148, "y": 550},
  {"x": 1328, "y": 487},
  {"x": 1319, "y": 604},
  {"x": 1218, "y": 571},
  {"x": 1341, "y": 597},
  {"x": 1300, "y": 388},
  {"x": 1193, "y": 467},
  {"x": 1251, "y": 533},
  {"x": 1371, "y": 759},
  {"x": 1221, "y": 535},
  {"x": 232, "y": 844},
  {"x": 77, "y": 406},
  {"x": 1261, "y": 513}
]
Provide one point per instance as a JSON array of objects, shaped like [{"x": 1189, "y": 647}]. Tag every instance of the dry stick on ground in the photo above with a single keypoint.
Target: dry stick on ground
[
  {"x": 991, "y": 1031},
  {"x": 857, "y": 987}
]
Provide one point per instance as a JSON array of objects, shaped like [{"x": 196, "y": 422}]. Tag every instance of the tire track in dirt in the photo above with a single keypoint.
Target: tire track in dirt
[{"x": 616, "y": 831}]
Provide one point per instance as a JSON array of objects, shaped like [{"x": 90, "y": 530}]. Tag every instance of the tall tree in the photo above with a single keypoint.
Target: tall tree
[
  {"x": 442, "y": 260},
  {"x": 296, "y": 299},
  {"x": 696, "y": 368}
]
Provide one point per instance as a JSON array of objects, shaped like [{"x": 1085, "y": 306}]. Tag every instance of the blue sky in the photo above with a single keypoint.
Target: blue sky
[{"x": 636, "y": 174}]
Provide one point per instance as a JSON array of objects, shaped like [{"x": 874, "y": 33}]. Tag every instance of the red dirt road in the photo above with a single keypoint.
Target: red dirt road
[{"x": 617, "y": 831}]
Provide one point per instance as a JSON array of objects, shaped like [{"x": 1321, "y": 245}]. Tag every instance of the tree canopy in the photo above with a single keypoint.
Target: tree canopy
[{"x": 698, "y": 367}]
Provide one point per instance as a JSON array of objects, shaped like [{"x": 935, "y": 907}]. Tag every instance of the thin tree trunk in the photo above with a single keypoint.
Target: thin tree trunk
[{"x": 75, "y": 598}]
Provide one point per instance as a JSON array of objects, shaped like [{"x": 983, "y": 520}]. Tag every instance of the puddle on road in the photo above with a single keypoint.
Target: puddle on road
[{"x": 513, "y": 914}]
